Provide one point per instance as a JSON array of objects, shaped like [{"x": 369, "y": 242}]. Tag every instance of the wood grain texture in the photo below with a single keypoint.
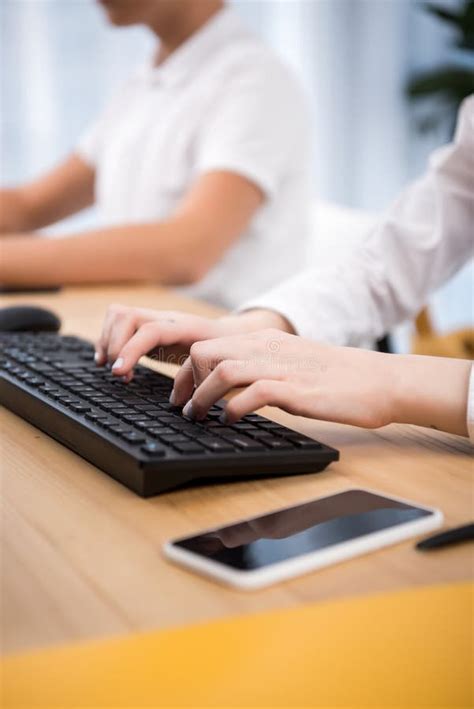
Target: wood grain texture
[{"x": 80, "y": 553}]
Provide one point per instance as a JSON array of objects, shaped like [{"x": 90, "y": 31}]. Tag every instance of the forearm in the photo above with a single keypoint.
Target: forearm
[
  {"x": 63, "y": 191},
  {"x": 144, "y": 252},
  {"x": 20, "y": 212},
  {"x": 430, "y": 391},
  {"x": 13, "y": 212}
]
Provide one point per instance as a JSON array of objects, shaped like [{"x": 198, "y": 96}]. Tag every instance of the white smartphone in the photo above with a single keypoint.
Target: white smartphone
[{"x": 257, "y": 552}]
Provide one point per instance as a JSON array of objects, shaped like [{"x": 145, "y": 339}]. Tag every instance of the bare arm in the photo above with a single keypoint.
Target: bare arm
[
  {"x": 64, "y": 191},
  {"x": 177, "y": 251}
]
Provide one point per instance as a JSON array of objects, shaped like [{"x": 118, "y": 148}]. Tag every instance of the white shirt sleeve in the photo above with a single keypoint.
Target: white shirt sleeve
[
  {"x": 89, "y": 145},
  {"x": 260, "y": 122},
  {"x": 426, "y": 236}
]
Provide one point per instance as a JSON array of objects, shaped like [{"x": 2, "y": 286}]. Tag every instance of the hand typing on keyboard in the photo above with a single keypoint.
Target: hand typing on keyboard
[
  {"x": 279, "y": 369},
  {"x": 300, "y": 376},
  {"x": 306, "y": 378},
  {"x": 129, "y": 333}
]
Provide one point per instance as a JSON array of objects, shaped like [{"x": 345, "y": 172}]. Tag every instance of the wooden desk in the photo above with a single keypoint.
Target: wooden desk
[{"x": 81, "y": 553}]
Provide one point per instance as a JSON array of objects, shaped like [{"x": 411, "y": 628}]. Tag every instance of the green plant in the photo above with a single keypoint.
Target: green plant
[{"x": 451, "y": 82}]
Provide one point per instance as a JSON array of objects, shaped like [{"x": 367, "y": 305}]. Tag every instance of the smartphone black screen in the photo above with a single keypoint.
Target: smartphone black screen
[{"x": 294, "y": 531}]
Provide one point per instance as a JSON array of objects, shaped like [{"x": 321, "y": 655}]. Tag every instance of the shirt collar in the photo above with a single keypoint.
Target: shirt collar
[{"x": 187, "y": 60}]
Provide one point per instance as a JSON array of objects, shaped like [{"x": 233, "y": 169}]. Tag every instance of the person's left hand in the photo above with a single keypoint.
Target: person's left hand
[{"x": 302, "y": 377}]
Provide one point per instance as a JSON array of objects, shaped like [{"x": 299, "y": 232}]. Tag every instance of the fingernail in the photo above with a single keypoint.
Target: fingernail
[
  {"x": 97, "y": 357},
  {"x": 188, "y": 410},
  {"x": 118, "y": 363},
  {"x": 172, "y": 397},
  {"x": 223, "y": 418}
]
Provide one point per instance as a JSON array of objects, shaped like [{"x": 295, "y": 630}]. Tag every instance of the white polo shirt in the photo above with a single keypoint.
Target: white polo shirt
[{"x": 221, "y": 101}]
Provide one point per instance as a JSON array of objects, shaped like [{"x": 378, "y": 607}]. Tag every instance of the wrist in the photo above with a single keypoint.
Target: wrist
[
  {"x": 256, "y": 319},
  {"x": 430, "y": 391}
]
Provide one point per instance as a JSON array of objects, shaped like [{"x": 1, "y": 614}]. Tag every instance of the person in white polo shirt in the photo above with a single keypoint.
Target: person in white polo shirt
[{"x": 198, "y": 167}]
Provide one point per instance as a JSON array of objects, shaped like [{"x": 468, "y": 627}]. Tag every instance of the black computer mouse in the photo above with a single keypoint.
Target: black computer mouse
[{"x": 28, "y": 318}]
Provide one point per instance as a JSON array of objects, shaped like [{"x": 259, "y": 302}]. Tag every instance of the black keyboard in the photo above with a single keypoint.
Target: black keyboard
[{"x": 131, "y": 431}]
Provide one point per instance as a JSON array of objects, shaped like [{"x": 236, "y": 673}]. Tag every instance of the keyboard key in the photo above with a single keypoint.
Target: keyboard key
[
  {"x": 41, "y": 367},
  {"x": 108, "y": 422},
  {"x": 96, "y": 413},
  {"x": 245, "y": 443},
  {"x": 131, "y": 417},
  {"x": 189, "y": 448},
  {"x": 261, "y": 434},
  {"x": 141, "y": 391},
  {"x": 161, "y": 431},
  {"x": 223, "y": 431},
  {"x": 130, "y": 411},
  {"x": 211, "y": 424},
  {"x": 95, "y": 417},
  {"x": 147, "y": 407},
  {"x": 154, "y": 449},
  {"x": 88, "y": 393},
  {"x": 167, "y": 420},
  {"x": 69, "y": 366},
  {"x": 306, "y": 443},
  {"x": 277, "y": 443},
  {"x": 153, "y": 411},
  {"x": 49, "y": 391},
  {"x": 119, "y": 429},
  {"x": 246, "y": 427},
  {"x": 111, "y": 392},
  {"x": 66, "y": 400},
  {"x": 216, "y": 445},
  {"x": 116, "y": 407},
  {"x": 144, "y": 423},
  {"x": 191, "y": 429},
  {"x": 134, "y": 437},
  {"x": 165, "y": 405},
  {"x": 176, "y": 438},
  {"x": 54, "y": 393},
  {"x": 80, "y": 408}
]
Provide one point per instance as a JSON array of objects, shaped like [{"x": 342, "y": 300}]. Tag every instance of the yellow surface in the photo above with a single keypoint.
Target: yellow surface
[{"x": 406, "y": 649}]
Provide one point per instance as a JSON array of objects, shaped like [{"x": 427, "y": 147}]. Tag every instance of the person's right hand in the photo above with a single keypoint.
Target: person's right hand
[{"x": 129, "y": 333}]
